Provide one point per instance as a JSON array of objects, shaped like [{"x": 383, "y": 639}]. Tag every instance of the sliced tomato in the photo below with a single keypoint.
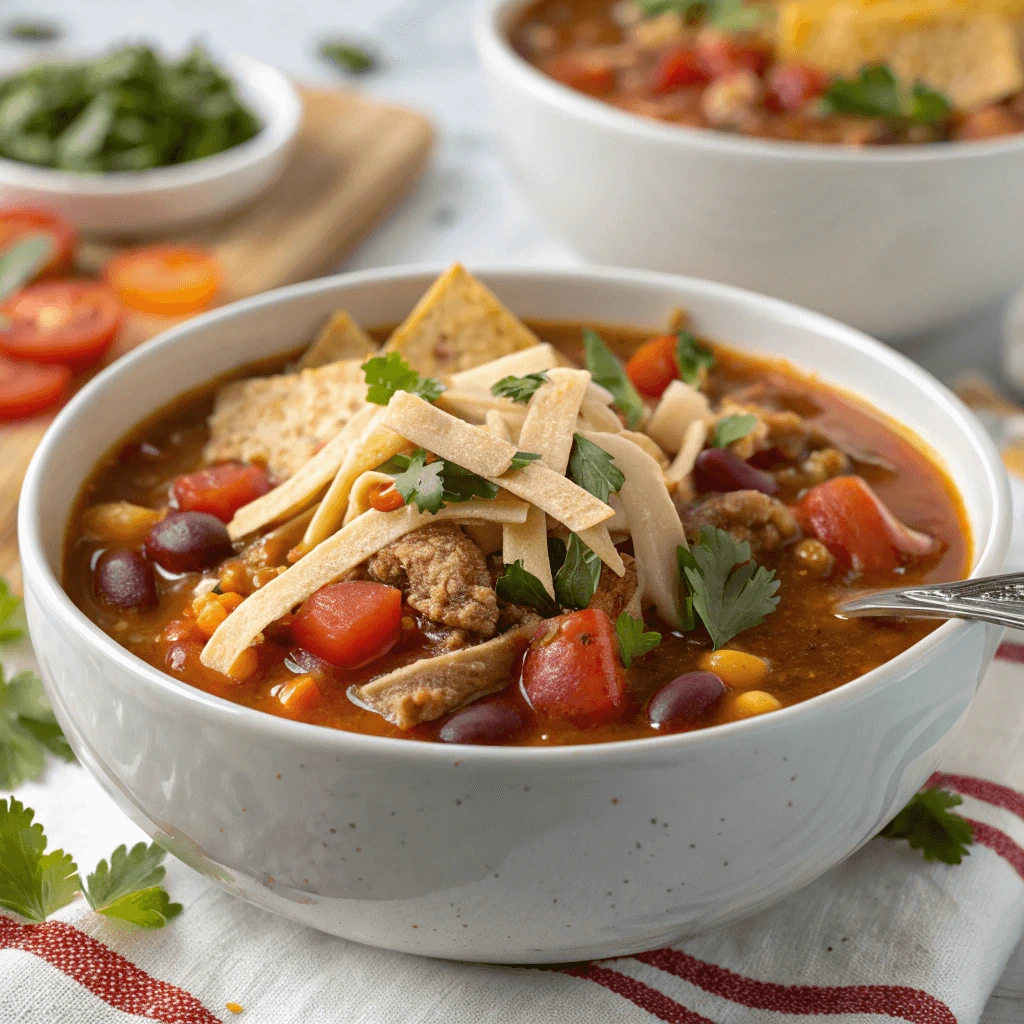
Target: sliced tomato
[
  {"x": 18, "y": 221},
  {"x": 587, "y": 76},
  {"x": 28, "y": 388},
  {"x": 67, "y": 322},
  {"x": 677, "y": 69},
  {"x": 171, "y": 280},
  {"x": 848, "y": 517},
  {"x": 792, "y": 86},
  {"x": 220, "y": 490},
  {"x": 572, "y": 669},
  {"x": 653, "y": 366},
  {"x": 349, "y": 624}
]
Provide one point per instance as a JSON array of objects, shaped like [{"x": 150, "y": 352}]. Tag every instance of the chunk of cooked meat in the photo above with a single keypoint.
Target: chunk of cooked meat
[
  {"x": 615, "y": 592},
  {"x": 819, "y": 466},
  {"x": 785, "y": 430},
  {"x": 765, "y": 522},
  {"x": 443, "y": 575}
]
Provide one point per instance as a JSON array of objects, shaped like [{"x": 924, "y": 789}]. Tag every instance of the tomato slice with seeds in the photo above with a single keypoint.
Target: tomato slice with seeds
[
  {"x": 67, "y": 322},
  {"x": 220, "y": 490},
  {"x": 28, "y": 388},
  {"x": 17, "y": 222},
  {"x": 171, "y": 280}
]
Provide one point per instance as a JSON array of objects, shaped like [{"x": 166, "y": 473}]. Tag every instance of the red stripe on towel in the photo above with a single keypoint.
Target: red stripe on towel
[{"x": 647, "y": 998}]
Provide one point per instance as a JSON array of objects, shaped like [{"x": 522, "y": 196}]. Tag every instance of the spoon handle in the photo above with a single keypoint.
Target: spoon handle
[{"x": 995, "y": 599}]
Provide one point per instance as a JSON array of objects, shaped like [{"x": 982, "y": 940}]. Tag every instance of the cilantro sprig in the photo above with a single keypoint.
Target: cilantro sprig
[
  {"x": 431, "y": 486},
  {"x": 692, "y": 357},
  {"x": 733, "y": 428},
  {"x": 28, "y": 730},
  {"x": 593, "y": 468},
  {"x": 518, "y": 586},
  {"x": 519, "y": 389},
  {"x": 729, "y": 15},
  {"x": 578, "y": 577},
  {"x": 634, "y": 642},
  {"x": 36, "y": 883},
  {"x": 390, "y": 373},
  {"x": 522, "y": 459},
  {"x": 928, "y": 825},
  {"x": 607, "y": 370},
  {"x": 876, "y": 91},
  {"x": 722, "y": 585}
]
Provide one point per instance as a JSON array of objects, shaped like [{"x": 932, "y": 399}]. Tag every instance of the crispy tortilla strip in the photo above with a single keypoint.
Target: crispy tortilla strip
[
  {"x": 447, "y": 436},
  {"x": 557, "y": 495},
  {"x": 340, "y": 338},
  {"x": 359, "y": 498},
  {"x": 528, "y": 543},
  {"x": 599, "y": 540},
  {"x": 598, "y": 416},
  {"x": 457, "y": 325},
  {"x": 541, "y": 356},
  {"x": 680, "y": 405},
  {"x": 648, "y": 445},
  {"x": 430, "y": 688},
  {"x": 495, "y": 423},
  {"x": 693, "y": 444},
  {"x": 653, "y": 521},
  {"x": 347, "y": 548},
  {"x": 678, "y": 318},
  {"x": 306, "y": 485},
  {"x": 284, "y": 420},
  {"x": 473, "y": 406},
  {"x": 970, "y": 55}
]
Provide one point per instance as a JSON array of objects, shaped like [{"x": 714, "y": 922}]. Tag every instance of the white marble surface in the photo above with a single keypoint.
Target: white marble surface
[{"x": 468, "y": 206}]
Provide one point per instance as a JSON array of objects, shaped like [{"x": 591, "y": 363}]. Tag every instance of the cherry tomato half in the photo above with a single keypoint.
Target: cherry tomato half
[
  {"x": 220, "y": 490},
  {"x": 653, "y": 366},
  {"x": 28, "y": 388},
  {"x": 677, "y": 69},
  {"x": 67, "y": 322},
  {"x": 18, "y": 221},
  {"x": 171, "y": 280},
  {"x": 385, "y": 498}
]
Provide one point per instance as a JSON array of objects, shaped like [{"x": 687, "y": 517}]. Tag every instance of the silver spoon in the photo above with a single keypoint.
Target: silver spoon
[{"x": 995, "y": 599}]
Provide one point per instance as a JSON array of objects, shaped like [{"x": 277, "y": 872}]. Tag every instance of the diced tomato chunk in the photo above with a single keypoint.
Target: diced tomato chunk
[
  {"x": 719, "y": 53},
  {"x": 385, "y": 498},
  {"x": 792, "y": 86},
  {"x": 220, "y": 490},
  {"x": 349, "y": 624},
  {"x": 653, "y": 366},
  {"x": 581, "y": 75},
  {"x": 572, "y": 669},
  {"x": 848, "y": 517},
  {"x": 677, "y": 69}
]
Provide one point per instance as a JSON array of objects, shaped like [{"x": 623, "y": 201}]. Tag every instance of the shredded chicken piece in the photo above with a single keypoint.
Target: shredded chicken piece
[
  {"x": 765, "y": 522},
  {"x": 443, "y": 575},
  {"x": 787, "y": 431},
  {"x": 615, "y": 592}
]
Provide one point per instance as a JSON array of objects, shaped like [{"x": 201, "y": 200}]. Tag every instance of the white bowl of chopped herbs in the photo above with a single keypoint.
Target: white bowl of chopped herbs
[{"x": 132, "y": 143}]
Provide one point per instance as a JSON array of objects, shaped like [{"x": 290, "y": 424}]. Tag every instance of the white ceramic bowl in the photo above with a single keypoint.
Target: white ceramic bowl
[
  {"x": 894, "y": 240},
  {"x": 502, "y": 853},
  {"x": 139, "y": 203}
]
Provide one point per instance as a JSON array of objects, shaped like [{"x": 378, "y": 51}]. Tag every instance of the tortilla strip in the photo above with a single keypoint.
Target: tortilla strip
[
  {"x": 693, "y": 444},
  {"x": 495, "y": 424},
  {"x": 654, "y": 523},
  {"x": 599, "y": 540},
  {"x": 431, "y": 687},
  {"x": 340, "y": 338},
  {"x": 557, "y": 495},
  {"x": 678, "y": 318},
  {"x": 346, "y": 549},
  {"x": 305, "y": 485},
  {"x": 680, "y": 405},
  {"x": 447, "y": 436},
  {"x": 541, "y": 356},
  {"x": 457, "y": 325},
  {"x": 648, "y": 444},
  {"x": 474, "y": 406},
  {"x": 598, "y": 416},
  {"x": 359, "y": 497}
]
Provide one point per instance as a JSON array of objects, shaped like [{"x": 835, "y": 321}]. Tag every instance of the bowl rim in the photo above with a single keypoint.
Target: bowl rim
[
  {"x": 493, "y": 45},
  {"x": 280, "y": 112},
  {"x": 45, "y": 587}
]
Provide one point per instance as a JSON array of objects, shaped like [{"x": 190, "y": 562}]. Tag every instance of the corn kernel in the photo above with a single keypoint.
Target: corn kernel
[
  {"x": 735, "y": 668},
  {"x": 229, "y": 602},
  {"x": 119, "y": 522},
  {"x": 234, "y": 1007},
  {"x": 753, "y": 703},
  {"x": 301, "y": 694},
  {"x": 245, "y": 665},
  {"x": 235, "y": 580},
  {"x": 261, "y": 577},
  {"x": 210, "y": 618}
]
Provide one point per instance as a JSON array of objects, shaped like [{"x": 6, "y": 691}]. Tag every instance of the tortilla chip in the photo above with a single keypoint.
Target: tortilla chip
[
  {"x": 285, "y": 419},
  {"x": 457, "y": 325},
  {"x": 340, "y": 338}
]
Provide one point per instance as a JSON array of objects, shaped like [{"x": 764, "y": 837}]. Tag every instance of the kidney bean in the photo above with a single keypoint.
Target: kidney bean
[
  {"x": 188, "y": 542},
  {"x": 718, "y": 469},
  {"x": 489, "y": 724},
  {"x": 125, "y": 579},
  {"x": 685, "y": 699}
]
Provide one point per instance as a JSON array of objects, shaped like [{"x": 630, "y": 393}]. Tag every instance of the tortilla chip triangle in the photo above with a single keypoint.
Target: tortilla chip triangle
[{"x": 340, "y": 338}]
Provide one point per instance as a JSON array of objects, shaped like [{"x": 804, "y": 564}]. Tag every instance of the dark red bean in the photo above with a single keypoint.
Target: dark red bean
[
  {"x": 125, "y": 579},
  {"x": 685, "y": 699},
  {"x": 718, "y": 469},
  {"x": 188, "y": 542},
  {"x": 489, "y": 724}
]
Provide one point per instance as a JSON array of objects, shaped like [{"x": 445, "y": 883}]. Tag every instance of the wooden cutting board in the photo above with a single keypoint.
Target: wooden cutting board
[{"x": 354, "y": 161}]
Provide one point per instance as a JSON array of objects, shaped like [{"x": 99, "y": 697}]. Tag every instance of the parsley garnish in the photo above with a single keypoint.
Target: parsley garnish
[
  {"x": 877, "y": 92},
  {"x": 521, "y": 459},
  {"x": 519, "y": 389},
  {"x": 729, "y": 592},
  {"x": 929, "y": 826},
  {"x": 431, "y": 486},
  {"x": 730, "y": 15},
  {"x": 27, "y": 730},
  {"x": 633, "y": 641},
  {"x": 579, "y": 575},
  {"x": 12, "y": 615},
  {"x": 517, "y": 586},
  {"x": 556, "y": 553},
  {"x": 692, "y": 357},
  {"x": 732, "y": 428},
  {"x": 593, "y": 468},
  {"x": 607, "y": 370},
  {"x": 348, "y": 57},
  {"x": 130, "y": 887},
  {"x": 390, "y": 373}
]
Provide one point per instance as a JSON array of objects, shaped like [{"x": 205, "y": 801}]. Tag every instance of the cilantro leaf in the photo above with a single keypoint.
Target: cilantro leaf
[
  {"x": 593, "y": 468},
  {"x": 517, "y": 586},
  {"x": 28, "y": 730},
  {"x": 130, "y": 887},
  {"x": 607, "y": 370},
  {"x": 692, "y": 357},
  {"x": 521, "y": 459},
  {"x": 877, "y": 92},
  {"x": 730, "y": 15},
  {"x": 462, "y": 485},
  {"x": 579, "y": 575},
  {"x": 633, "y": 641},
  {"x": 519, "y": 389},
  {"x": 687, "y": 616},
  {"x": 928, "y": 106},
  {"x": 390, "y": 373},
  {"x": 12, "y": 615},
  {"x": 730, "y": 592},
  {"x": 556, "y": 553},
  {"x": 929, "y": 826},
  {"x": 421, "y": 483},
  {"x": 348, "y": 56},
  {"x": 33, "y": 883},
  {"x": 732, "y": 428}
]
